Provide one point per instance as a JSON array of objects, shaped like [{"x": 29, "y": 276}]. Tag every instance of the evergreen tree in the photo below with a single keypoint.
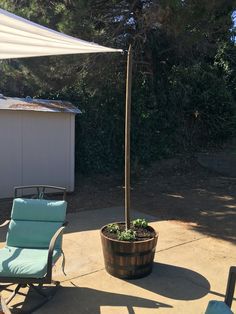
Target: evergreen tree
[{"x": 183, "y": 83}]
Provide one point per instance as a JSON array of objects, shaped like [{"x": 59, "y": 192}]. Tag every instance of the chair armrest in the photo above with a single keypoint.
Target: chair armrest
[
  {"x": 5, "y": 223},
  {"x": 230, "y": 286},
  {"x": 51, "y": 248}
]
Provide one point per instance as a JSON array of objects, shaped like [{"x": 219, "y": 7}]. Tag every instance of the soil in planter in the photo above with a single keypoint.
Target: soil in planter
[{"x": 142, "y": 234}]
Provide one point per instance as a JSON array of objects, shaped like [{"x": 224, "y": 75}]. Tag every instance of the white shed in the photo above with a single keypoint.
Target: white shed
[{"x": 37, "y": 140}]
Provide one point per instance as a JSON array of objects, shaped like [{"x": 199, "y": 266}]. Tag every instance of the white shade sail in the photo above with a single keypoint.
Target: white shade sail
[{"x": 21, "y": 38}]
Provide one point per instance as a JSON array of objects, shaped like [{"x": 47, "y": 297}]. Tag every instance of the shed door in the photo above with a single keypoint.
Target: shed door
[
  {"x": 10, "y": 152},
  {"x": 46, "y": 149}
]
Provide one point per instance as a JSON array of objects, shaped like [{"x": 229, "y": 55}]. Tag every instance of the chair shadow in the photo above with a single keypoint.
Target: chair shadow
[
  {"x": 174, "y": 282},
  {"x": 84, "y": 300}
]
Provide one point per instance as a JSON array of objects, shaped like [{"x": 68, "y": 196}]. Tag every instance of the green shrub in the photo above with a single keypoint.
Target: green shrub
[
  {"x": 140, "y": 223},
  {"x": 113, "y": 228},
  {"x": 127, "y": 235}
]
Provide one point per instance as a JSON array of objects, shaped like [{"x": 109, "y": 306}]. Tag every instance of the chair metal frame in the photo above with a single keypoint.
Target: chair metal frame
[
  {"x": 229, "y": 295},
  {"x": 47, "y": 279}
]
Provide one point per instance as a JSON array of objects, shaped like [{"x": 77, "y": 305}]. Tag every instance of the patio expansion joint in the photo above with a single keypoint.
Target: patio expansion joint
[
  {"x": 83, "y": 275},
  {"x": 181, "y": 244}
]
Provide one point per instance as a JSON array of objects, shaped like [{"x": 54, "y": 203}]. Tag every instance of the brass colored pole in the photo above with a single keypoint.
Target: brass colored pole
[{"x": 127, "y": 137}]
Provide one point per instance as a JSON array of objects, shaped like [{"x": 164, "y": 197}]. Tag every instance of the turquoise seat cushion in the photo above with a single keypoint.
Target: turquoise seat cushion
[
  {"x": 218, "y": 307},
  {"x": 25, "y": 263},
  {"x": 38, "y": 210},
  {"x": 32, "y": 234}
]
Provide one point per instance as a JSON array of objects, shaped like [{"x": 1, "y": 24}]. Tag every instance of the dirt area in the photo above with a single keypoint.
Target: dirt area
[{"x": 176, "y": 189}]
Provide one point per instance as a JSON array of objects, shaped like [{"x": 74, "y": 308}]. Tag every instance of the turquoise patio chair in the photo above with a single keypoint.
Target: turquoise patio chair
[
  {"x": 33, "y": 241},
  {"x": 220, "y": 307}
]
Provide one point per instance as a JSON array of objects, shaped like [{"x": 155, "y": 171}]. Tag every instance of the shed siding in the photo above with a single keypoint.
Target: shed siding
[
  {"x": 40, "y": 150},
  {"x": 10, "y": 152},
  {"x": 72, "y": 152}
]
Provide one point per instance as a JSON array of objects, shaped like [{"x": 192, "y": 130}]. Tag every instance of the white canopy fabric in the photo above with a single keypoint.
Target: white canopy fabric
[{"x": 21, "y": 38}]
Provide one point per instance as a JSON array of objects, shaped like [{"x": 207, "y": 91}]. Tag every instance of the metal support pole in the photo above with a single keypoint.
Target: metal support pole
[{"x": 127, "y": 137}]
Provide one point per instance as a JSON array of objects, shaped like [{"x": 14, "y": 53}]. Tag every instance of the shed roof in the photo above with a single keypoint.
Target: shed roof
[{"x": 31, "y": 104}]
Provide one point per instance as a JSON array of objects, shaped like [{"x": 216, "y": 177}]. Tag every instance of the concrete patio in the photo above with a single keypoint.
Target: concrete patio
[{"x": 190, "y": 269}]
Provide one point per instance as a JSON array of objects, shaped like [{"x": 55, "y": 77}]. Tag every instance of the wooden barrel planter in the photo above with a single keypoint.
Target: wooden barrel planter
[{"x": 128, "y": 259}]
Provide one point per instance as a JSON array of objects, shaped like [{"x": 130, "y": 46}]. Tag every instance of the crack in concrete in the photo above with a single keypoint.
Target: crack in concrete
[
  {"x": 177, "y": 245},
  {"x": 83, "y": 275}
]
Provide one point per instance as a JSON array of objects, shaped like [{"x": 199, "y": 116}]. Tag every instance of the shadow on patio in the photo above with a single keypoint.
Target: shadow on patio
[
  {"x": 167, "y": 281},
  {"x": 175, "y": 282},
  {"x": 77, "y": 299}
]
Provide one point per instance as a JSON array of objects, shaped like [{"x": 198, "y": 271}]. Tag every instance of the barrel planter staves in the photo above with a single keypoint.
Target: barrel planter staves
[{"x": 128, "y": 259}]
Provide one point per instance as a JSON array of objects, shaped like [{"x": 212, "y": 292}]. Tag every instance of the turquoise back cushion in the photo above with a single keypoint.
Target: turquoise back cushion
[
  {"x": 40, "y": 210},
  {"x": 34, "y": 222},
  {"x": 217, "y": 307}
]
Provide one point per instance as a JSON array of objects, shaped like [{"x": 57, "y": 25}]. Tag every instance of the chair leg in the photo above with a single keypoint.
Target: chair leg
[
  {"x": 14, "y": 292},
  {"x": 230, "y": 286},
  {"x": 47, "y": 297},
  {"x": 39, "y": 289}
]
